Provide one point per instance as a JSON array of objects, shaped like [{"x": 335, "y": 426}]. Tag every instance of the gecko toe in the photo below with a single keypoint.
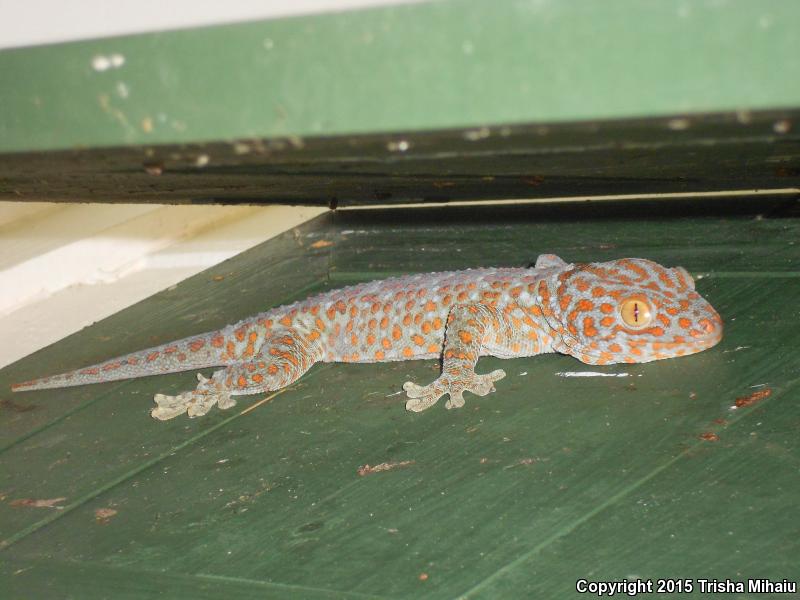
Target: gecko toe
[{"x": 456, "y": 400}]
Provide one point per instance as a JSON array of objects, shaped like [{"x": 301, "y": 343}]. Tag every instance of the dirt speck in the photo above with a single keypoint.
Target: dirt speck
[
  {"x": 423, "y": 577},
  {"x": 709, "y": 436},
  {"x": 218, "y": 278},
  {"x": 321, "y": 244},
  {"x": 16, "y": 406},
  {"x": 153, "y": 168},
  {"x": 751, "y": 399},
  {"x": 102, "y": 516}
]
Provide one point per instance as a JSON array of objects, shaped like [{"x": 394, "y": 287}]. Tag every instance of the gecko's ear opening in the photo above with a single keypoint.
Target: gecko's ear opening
[
  {"x": 547, "y": 261},
  {"x": 684, "y": 274}
]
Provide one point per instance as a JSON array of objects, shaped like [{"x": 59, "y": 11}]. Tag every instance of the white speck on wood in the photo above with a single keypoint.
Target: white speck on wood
[{"x": 590, "y": 374}]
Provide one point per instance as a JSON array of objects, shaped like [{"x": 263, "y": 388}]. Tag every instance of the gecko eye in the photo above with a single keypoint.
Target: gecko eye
[{"x": 635, "y": 313}]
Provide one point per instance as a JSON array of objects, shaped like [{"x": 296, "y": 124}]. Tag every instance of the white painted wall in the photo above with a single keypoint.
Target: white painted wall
[
  {"x": 29, "y": 22},
  {"x": 65, "y": 266}
]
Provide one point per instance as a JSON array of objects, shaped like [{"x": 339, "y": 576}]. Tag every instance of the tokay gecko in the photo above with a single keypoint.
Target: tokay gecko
[{"x": 622, "y": 311}]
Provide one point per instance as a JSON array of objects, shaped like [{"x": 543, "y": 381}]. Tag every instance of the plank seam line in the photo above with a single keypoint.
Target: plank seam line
[
  {"x": 568, "y": 529},
  {"x": 4, "y": 544},
  {"x": 297, "y": 295},
  {"x": 150, "y": 573}
]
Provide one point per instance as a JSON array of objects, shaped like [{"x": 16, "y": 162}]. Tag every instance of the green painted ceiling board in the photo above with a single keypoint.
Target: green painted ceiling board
[
  {"x": 431, "y": 65},
  {"x": 712, "y": 152},
  {"x": 519, "y": 494}
]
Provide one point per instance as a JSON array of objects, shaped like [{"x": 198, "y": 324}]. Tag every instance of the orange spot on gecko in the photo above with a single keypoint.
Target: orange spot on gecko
[
  {"x": 257, "y": 377},
  {"x": 430, "y": 306},
  {"x": 684, "y": 323},
  {"x": 588, "y": 327},
  {"x": 272, "y": 369},
  {"x": 152, "y": 356},
  {"x": 434, "y": 348},
  {"x": 418, "y": 339},
  {"x": 217, "y": 341},
  {"x": 465, "y": 337},
  {"x": 426, "y": 327},
  {"x": 408, "y": 352},
  {"x": 331, "y": 312},
  {"x": 379, "y": 355},
  {"x": 386, "y": 343},
  {"x": 606, "y": 308},
  {"x": 370, "y": 339},
  {"x": 397, "y": 333},
  {"x": 196, "y": 345},
  {"x": 242, "y": 381},
  {"x": 286, "y": 321},
  {"x": 384, "y": 322},
  {"x": 607, "y": 321}
]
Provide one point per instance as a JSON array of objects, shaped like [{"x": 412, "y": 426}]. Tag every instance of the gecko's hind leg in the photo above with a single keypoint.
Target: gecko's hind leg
[
  {"x": 281, "y": 361},
  {"x": 196, "y": 402}
]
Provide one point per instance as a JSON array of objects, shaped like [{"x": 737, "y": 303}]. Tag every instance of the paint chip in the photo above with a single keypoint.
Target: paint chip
[
  {"x": 39, "y": 503},
  {"x": 386, "y": 466},
  {"x": 590, "y": 374}
]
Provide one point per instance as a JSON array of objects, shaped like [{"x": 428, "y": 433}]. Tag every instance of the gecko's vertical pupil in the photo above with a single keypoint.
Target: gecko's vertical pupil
[{"x": 636, "y": 313}]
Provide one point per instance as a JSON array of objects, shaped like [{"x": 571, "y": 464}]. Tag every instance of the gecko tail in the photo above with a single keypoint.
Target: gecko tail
[{"x": 184, "y": 355}]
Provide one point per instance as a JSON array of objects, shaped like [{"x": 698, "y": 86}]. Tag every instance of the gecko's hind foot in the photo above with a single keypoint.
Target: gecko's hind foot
[
  {"x": 422, "y": 397},
  {"x": 195, "y": 403}
]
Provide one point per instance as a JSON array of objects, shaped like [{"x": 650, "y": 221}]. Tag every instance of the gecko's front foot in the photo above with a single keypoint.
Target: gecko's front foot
[
  {"x": 195, "y": 403},
  {"x": 422, "y": 397}
]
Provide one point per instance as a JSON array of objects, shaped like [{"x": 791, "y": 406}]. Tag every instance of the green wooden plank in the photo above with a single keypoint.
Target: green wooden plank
[
  {"x": 697, "y": 153},
  {"x": 519, "y": 494},
  {"x": 430, "y": 65}
]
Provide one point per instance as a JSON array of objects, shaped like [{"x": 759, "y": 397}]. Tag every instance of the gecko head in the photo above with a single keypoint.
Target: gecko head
[{"x": 630, "y": 310}]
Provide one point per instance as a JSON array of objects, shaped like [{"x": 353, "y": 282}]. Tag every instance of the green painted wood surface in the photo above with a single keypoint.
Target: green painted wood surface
[
  {"x": 517, "y": 495},
  {"x": 433, "y": 65}
]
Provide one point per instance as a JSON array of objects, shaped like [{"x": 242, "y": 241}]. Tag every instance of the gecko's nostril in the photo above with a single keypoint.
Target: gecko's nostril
[{"x": 707, "y": 325}]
